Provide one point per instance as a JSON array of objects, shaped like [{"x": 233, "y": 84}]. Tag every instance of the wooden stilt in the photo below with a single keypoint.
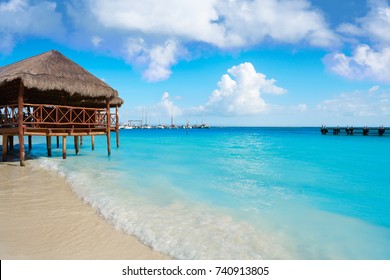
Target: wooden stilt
[
  {"x": 20, "y": 123},
  {"x": 30, "y": 142},
  {"x": 64, "y": 147},
  {"x": 108, "y": 127},
  {"x": 48, "y": 144},
  {"x": 93, "y": 142},
  {"x": 58, "y": 142},
  {"x": 5, "y": 146},
  {"x": 76, "y": 144},
  {"x": 117, "y": 125},
  {"x": 11, "y": 142}
]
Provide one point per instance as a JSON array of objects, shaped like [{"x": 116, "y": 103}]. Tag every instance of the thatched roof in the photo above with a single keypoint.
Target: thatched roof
[
  {"x": 116, "y": 101},
  {"x": 52, "y": 73}
]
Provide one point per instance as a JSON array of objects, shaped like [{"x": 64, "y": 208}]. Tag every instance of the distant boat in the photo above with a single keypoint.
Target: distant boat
[{"x": 201, "y": 126}]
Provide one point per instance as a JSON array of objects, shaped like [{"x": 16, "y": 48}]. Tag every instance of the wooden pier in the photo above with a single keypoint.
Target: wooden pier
[{"x": 350, "y": 131}]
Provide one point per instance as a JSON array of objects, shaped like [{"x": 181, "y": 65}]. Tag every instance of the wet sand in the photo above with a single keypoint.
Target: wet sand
[{"x": 40, "y": 218}]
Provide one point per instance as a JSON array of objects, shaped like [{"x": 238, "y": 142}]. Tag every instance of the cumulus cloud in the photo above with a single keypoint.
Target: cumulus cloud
[
  {"x": 240, "y": 92},
  {"x": 164, "y": 109},
  {"x": 222, "y": 23},
  {"x": 158, "y": 59},
  {"x": 370, "y": 60},
  {"x": 156, "y": 32},
  {"x": 19, "y": 18},
  {"x": 375, "y": 25},
  {"x": 250, "y": 22},
  {"x": 364, "y": 63},
  {"x": 161, "y": 60}
]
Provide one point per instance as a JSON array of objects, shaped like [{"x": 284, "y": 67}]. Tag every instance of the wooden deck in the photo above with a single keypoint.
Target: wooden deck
[{"x": 58, "y": 121}]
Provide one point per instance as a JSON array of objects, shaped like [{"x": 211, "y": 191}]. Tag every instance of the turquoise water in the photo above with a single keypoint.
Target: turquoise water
[{"x": 239, "y": 193}]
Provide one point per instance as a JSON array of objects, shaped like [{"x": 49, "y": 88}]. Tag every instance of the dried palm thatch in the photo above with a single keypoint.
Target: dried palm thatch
[
  {"x": 95, "y": 103},
  {"x": 51, "y": 73}
]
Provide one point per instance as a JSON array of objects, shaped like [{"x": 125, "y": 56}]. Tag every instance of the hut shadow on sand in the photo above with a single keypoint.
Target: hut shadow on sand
[{"x": 50, "y": 95}]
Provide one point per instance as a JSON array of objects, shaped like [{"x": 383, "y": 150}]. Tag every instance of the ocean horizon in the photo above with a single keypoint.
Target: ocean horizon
[{"x": 238, "y": 192}]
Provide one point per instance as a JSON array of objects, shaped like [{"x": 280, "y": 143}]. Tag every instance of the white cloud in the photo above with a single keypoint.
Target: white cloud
[
  {"x": 373, "y": 89},
  {"x": 158, "y": 59},
  {"x": 364, "y": 63},
  {"x": 371, "y": 60},
  {"x": 302, "y": 107},
  {"x": 96, "y": 41},
  {"x": 250, "y": 22},
  {"x": 357, "y": 104},
  {"x": 240, "y": 92},
  {"x": 154, "y": 34},
  {"x": 19, "y": 18},
  {"x": 161, "y": 60},
  {"x": 164, "y": 109},
  {"x": 234, "y": 23}
]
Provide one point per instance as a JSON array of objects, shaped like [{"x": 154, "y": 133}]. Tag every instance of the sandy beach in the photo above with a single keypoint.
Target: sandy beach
[{"x": 40, "y": 218}]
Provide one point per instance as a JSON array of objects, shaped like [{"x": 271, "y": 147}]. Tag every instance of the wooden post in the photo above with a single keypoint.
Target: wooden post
[
  {"x": 64, "y": 147},
  {"x": 29, "y": 142},
  {"x": 58, "y": 142},
  {"x": 93, "y": 142},
  {"x": 11, "y": 142},
  {"x": 20, "y": 123},
  {"x": 48, "y": 144},
  {"x": 108, "y": 127},
  {"x": 117, "y": 126},
  {"x": 76, "y": 144},
  {"x": 5, "y": 144}
]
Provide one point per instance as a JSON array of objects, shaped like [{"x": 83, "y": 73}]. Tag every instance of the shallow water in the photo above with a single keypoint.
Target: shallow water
[{"x": 239, "y": 193}]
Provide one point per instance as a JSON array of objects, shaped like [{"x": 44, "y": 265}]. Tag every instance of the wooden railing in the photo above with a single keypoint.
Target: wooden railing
[{"x": 51, "y": 116}]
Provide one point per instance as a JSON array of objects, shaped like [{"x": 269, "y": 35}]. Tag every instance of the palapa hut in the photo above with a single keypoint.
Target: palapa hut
[{"x": 50, "y": 95}]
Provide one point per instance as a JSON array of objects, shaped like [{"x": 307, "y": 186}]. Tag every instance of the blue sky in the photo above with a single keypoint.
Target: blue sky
[{"x": 223, "y": 62}]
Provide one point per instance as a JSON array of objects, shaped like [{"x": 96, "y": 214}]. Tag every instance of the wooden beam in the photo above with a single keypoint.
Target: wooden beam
[
  {"x": 20, "y": 123},
  {"x": 48, "y": 144},
  {"x": 5, "y": 144},
  {"x": 64, "y": 147},
  {"x": 108, "y": 127}
]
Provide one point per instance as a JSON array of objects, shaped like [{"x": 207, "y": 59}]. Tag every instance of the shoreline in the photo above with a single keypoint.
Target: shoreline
[{"x": 41, "y": 218}]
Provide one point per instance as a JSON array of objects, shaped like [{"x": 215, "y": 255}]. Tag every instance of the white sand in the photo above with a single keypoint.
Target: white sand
[{"x": 40, "y": 218}]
